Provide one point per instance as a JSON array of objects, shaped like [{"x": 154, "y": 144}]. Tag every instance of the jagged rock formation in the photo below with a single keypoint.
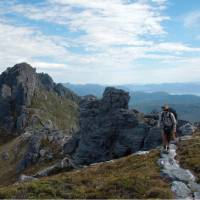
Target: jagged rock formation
[
  {"x": 108, "y": 129},
  {"x": 42, "y": 145},
  {"x": 18, "y": 86}
]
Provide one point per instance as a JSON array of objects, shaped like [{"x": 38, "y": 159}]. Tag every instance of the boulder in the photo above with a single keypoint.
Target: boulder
[
  {"x": 181, "y": 190},
  {"x": 187, "y": 129},
  {"x": 5, "y": 155},
  {"x": 196, "y": 195},
  {"x": 25, "y": 178},
  {"x": 32, "y": 154},
  {"x": 66, "y": 164}
]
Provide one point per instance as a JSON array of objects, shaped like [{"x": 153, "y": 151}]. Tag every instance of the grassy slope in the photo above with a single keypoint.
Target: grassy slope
[
  {"x": 16, "y": 148},
  {"x": 48, "y": 105},
  {"x": 129, "y": 177},
  {"x": 189, "y": 155},
  {"x": 61, "y": 111}
]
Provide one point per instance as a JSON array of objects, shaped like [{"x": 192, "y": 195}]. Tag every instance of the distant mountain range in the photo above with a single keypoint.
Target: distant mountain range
[
  {"x": 172, "y": 88},
  {"x": 147, "y": 98}
]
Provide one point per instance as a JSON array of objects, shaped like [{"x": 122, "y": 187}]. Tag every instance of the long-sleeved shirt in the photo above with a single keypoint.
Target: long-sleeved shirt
[{"x": 167, "y": 119}]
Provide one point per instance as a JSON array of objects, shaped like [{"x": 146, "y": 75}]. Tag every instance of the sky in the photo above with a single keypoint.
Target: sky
[{"x": 103, "y": 41}]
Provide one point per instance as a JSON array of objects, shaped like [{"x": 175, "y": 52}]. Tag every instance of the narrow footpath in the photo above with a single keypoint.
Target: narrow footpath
[{"x": 183, "y": 182}]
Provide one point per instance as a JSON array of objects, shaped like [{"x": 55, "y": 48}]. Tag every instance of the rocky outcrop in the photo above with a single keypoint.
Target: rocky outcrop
[
  {"x": 18, "y": 85},
  {"x": 108, "y": 129},
  {"x": 47, "y": 83},
  {"x": 43, "y": 145}
]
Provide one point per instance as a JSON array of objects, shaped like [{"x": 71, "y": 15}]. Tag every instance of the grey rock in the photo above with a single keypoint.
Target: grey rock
[
  {"x": 50, "y": 138},
  {"x": 42, "y": 152},
  {"x": 17, "y": 86},
  {"x": 181, "y": 190},
  {"x": 179, "y": 174},
  {"x": 70, "y": 145},
  {"x": 196, "y": 195},
  {"x": 187, "y": 129},
  {"x": 47, "y": 83},
  {"x": 108, "y": 130},
  {"x": 25, "y": 178},
  {"x": 22, "y": 121},
  {"x": 6, "y": 91},
  {"x": 66, "y": 164},
  {"x": 194, "y": 186},
  {"x": 26, "y": 135},
  {"x": 153, "y": 139},
  {"x": 48, "y": 124},
  {"x": 139, "y": 153},
  {"x": 5, "y": 155},
  {"x": 32, "y": 154}
]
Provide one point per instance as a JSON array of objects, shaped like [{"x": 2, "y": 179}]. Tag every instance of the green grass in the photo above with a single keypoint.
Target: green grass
[
  {"x": 189, "y": 155},
  {"x": 61, "y": 111},
  {"x": 129, "y": 177}
]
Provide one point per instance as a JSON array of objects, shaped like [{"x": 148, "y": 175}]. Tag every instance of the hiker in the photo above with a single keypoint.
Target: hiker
[{"x": 168, "y": 122}]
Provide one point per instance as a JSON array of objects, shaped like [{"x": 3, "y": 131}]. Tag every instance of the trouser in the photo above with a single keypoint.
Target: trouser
[{"x": 167, "y": 135}]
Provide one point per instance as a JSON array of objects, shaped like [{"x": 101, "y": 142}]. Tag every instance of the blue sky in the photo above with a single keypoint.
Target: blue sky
[{"x": 106, "y": 42}]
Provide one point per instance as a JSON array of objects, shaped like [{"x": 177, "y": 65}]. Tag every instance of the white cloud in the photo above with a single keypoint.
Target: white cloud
[
  {"x": 192, "y": 19},
  {"x": 113, "y": 34}
]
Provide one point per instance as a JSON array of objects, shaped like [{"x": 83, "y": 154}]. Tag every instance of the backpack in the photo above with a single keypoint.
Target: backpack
[
  {"x": 174, "y": 112},
  {"x": 167, "y": 120}
]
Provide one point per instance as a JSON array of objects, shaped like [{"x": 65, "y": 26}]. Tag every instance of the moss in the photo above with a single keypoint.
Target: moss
[
  {"x": 189, "y": 156},
  {"x": 61, "y": 111},
  {"x": 129, "y": 177}
]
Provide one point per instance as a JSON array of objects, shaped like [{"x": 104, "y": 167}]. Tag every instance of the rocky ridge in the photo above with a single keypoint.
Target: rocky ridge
[
  {"x": 107, "y": 128},
  {"x": 18, "y": 86}
]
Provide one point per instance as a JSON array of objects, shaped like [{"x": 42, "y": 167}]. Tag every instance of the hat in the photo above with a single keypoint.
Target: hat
[{"x": 165, "y": 107}]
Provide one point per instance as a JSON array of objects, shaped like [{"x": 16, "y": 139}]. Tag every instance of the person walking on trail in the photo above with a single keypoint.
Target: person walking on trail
[{"x": 168, "y": 122}]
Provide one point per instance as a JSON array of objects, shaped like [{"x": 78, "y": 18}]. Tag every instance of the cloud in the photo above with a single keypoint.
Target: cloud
[
  {"x": 192, "y": 19},
  {"x": 102, "y": 41}
]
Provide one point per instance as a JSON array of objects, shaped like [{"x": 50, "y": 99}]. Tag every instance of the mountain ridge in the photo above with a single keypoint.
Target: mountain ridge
[{"x": 187, "y": 105}]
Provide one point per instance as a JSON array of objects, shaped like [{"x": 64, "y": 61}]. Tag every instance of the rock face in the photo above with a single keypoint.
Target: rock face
[
  {"x": 109, "y": 130},
  {"x": 43, "y": 145},
  {"x": 18, "y": 85}
]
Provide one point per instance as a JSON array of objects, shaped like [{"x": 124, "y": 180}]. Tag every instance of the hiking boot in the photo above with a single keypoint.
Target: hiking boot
[{"x": 165, "y": 150}]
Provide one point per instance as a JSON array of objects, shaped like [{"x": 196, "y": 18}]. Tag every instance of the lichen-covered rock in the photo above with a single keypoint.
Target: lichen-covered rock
[
  {"x": 32, "y": 154},
  {"x": 17, "y": 86},
  {"x": 181, "y": 190},
  {"x": 108, "y": 129}
]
